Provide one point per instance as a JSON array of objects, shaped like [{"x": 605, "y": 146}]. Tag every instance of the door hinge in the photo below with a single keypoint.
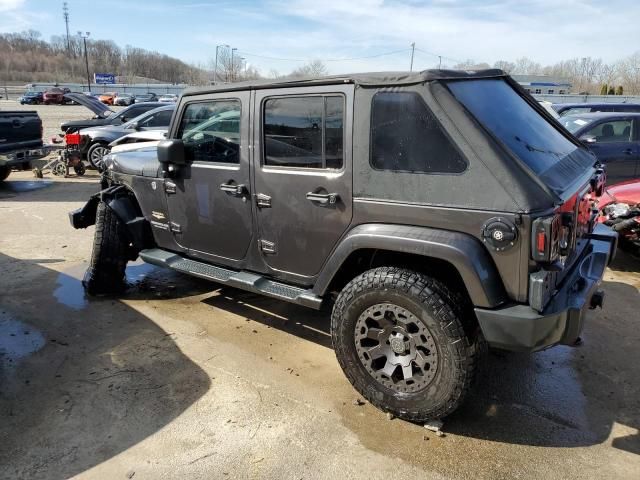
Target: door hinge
[
  {"x": 263, "y": 201},
  {"x": 169, "y": 187},
  {"x": 175, "y": 227},
  {"x": 267, "y": 247}
]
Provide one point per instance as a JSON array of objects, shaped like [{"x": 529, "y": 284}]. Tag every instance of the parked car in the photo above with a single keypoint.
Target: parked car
[
  {"x": 351, "y": 186},
  {"x": 103, "y": 115},
  {"x": 137, "y": 140},
  {"x": 108, "y": 98},
  {"x": 613, "y": 137},
  {"x": 168, "y": 98},
  {"x": 94, "y": 142},
  {"x": 31, "y": 98},
  {"x": 548, "y": 106},
  {"x": 54, "y": 96},
  {"x": 20, "y": 139},
  {"x": 619, "y": 207},
  {"x": 577, "y": 108},
  {"x": 124, "y": 99},
  {"x": 146, "y": 97}
]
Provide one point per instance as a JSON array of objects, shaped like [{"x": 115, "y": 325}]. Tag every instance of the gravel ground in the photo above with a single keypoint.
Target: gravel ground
[{"x": 183, "y": 378}]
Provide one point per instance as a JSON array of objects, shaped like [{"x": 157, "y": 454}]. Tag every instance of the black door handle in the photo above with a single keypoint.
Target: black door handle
[
  {"x": 628, "y": 151},
  {"x": 233, "y": 189},
  {"x": 323, "y": 198}
]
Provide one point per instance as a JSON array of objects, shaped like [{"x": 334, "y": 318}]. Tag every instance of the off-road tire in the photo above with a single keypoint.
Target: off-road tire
[
  {"x": 111, "y": 250},
  {"x": 4, "y": 172},
  {"x": 440, "y": 310}
]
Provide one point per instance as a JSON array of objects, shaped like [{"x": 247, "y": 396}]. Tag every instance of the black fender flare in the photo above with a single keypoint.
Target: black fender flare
[
  {"x": 119, "y": 199},
  {"x": 463, "y": 251}
]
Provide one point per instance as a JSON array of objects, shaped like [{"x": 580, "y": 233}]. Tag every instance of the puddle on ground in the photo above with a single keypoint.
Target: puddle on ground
[
  {"x": 9, "y": 187},
  {"x": 17, "y": 339},
  {"x": 140, "y": 277}
]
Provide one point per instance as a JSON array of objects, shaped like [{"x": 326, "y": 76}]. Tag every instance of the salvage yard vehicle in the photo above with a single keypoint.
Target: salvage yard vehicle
[
  {"x": 136, "y": 140},
  {"x": 620, "y": 208},
  {"x": 103, "y": 114},
  {"x": 31, "y": 98},
  {"x": 578, "y": 108},
  {"x": 443, "y": 210},
  {"x": 95, "y": 141},
  {"x": 20, "y": 140},
  {"x": 613, "y": 137}
]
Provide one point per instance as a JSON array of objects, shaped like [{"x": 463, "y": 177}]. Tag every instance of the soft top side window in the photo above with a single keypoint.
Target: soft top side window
[{"x": 406, "y": 137}]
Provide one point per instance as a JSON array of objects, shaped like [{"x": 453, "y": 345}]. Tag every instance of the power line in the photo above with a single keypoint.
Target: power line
[
  {"x": 324, "y": 59},
  {"x": 440, "y": 57}
]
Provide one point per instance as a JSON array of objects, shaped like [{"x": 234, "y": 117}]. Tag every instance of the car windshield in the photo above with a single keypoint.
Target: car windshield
[
  {"x": 573, "y": 123},
  {"x": 529, "y": 136}
]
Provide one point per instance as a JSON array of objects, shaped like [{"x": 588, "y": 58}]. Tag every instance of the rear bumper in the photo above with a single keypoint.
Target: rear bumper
[{"x": 521, "y": 328}]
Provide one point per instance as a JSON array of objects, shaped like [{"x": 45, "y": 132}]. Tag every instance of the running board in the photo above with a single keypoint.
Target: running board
[{"x": 243, "y": 280}]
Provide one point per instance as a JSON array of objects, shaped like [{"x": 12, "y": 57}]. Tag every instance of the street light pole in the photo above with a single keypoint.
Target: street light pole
[
  {"x": 215, "y": 68},
  {"x": 233, "y": 66},
  {"x": 86, "y": 57}
]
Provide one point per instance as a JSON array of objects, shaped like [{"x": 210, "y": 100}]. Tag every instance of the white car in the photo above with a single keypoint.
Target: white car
[
  {"x": 136, "y": 140},
  {"x": 547, "y": 106},
  {"x": 168, "y": 98}
]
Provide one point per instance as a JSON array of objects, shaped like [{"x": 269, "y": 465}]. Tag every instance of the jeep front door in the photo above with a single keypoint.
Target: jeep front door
[
  {"x": 209, "y": 198},
  {"x": 302, "y": 176}
]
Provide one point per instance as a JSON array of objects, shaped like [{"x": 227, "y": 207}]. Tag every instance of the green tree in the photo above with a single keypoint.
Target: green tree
[
  {"x": 612, "y": 90},
  {"x": 619, "y": 90},
  {"x": 604, "y": 89}
]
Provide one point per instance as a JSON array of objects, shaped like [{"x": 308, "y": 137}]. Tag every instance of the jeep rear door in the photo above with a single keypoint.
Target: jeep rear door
[
  {"x": 303, "y": 175},
  {"x": 209, "y": 199}
]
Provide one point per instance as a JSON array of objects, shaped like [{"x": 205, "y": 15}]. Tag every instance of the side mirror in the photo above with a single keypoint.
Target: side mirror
[
  {"x": 588, "y": 139},
  {"x": 135, "y": 126},
  {"x": 171, "y": 152}
]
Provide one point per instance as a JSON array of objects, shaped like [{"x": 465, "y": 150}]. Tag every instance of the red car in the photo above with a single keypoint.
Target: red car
[
  {"x": 54, "y": 96},
  {"x": 619, "y": 208}
]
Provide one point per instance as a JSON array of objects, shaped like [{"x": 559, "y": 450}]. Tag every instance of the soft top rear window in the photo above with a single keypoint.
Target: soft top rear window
[{"x": 526, "y": 133}]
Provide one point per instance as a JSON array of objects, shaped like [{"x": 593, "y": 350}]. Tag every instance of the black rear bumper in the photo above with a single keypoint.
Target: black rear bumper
[{"x": 521, "y": 328}]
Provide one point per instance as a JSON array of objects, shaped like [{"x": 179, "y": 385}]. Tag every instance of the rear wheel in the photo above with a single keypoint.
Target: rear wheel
[
  {"x": 80, "y": 169},
  {"x": 399, "y": 337},
  {"x": 95, "y": 154},
  {"x": 110, "y": 254}
]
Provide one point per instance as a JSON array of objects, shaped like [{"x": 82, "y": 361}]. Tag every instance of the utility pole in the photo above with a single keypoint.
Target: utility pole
[
  {"x": 86, "y": 57},
  {"x": 233, "y": 65},
  {"x": 215, "y": 68},
  {"x": 65, "y": 15},
  {"x": 413, "y": 48}
]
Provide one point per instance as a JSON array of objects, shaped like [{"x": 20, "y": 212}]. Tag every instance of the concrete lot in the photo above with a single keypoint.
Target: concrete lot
[{"x": 184, "y": 378}]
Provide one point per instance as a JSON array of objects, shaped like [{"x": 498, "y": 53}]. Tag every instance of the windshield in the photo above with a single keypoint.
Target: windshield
[
  {"x": 573, "y": 123},
  {"x": 528, "y": 135}
]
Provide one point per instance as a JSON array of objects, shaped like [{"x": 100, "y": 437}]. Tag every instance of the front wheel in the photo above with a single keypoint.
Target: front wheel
[
  {"x": 4, "y": 172},
  {"x": 110, "y": 254},
  {"x": 95, "y": 154},
  {"x": 399, "y": 337}
]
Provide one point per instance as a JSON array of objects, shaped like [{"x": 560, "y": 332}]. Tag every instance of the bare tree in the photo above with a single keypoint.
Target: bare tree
[
  {"x": 471, "y": 65},
  {"x": 315, "y": 68},
  {"x": 505, "y": 66}
]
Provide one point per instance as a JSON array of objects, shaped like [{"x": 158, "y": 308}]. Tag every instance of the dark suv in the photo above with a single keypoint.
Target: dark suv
[{"x": 436, "y": 212}]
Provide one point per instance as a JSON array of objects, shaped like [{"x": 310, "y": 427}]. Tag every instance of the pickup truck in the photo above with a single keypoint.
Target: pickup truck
[{"x": 20, "y": 139}]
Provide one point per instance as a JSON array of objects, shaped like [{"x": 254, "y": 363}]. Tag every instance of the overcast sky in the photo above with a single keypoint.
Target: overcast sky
[{"x": 339, "y": 30}]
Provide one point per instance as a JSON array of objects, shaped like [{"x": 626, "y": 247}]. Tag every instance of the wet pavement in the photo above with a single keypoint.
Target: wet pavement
[{"x": 180, "y": 377}]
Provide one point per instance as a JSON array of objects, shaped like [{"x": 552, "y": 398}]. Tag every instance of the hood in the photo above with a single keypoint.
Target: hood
[
  {"x": 142, "y": 136},
  {"x": 108, "y": 132},
  {"x": 93, "y": 104},
  {"x": 625, "y": 192},
  {"x": 143, "y": 162}
]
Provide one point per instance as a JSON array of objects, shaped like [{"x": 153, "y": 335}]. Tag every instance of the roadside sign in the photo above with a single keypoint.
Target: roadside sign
[{"x": 104, "y": 78}]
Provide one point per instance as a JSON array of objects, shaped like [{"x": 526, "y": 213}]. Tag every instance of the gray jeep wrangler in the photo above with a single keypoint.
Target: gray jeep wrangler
[{"x": 446, "y": 210}]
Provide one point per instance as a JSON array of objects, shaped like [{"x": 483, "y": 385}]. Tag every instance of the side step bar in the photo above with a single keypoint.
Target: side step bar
[{"x": 243, "y": 280}]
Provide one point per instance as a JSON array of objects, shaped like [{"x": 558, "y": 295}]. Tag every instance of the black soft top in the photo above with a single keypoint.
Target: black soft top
[{"x": 375, "y": 79}]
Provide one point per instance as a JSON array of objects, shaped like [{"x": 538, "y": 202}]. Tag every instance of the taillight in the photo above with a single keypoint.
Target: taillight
[
  {"x": 546, "y": 239},
  {"x": 552, "y": 237}
]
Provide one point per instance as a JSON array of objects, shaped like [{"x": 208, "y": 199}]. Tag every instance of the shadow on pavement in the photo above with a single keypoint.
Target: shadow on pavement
[
  {"x": 20, "y": 187},
  {"x": 102, "y": 379}
]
